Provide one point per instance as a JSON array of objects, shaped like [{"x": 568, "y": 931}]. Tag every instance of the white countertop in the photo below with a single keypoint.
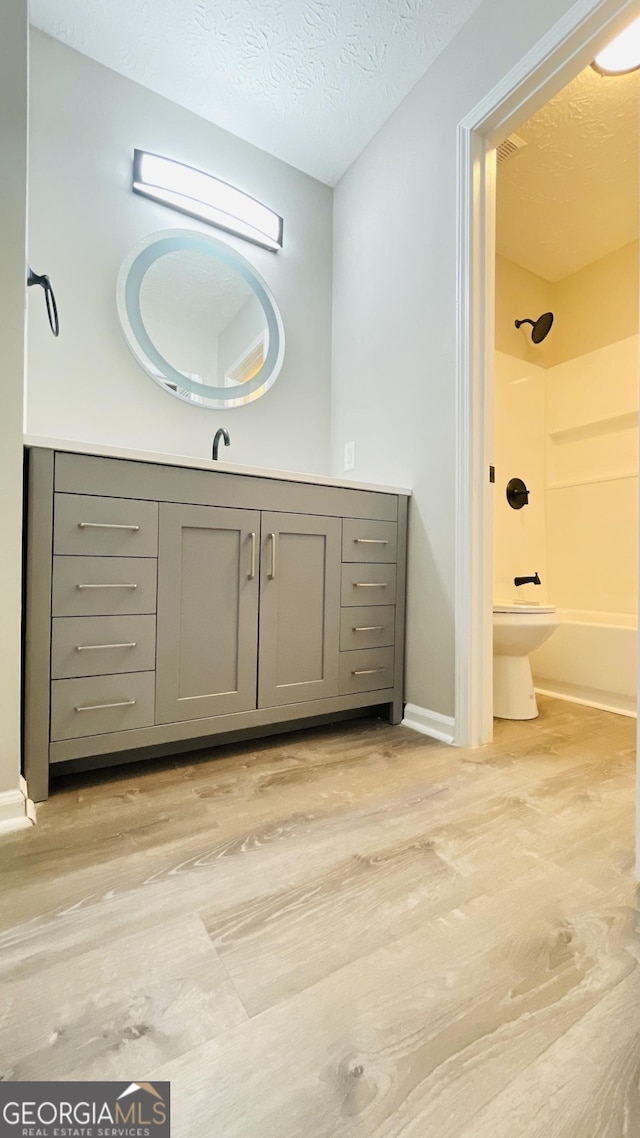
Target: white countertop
[{"x": 102, "y": 450}]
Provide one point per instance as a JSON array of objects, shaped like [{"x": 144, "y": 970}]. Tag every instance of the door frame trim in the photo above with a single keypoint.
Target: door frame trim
[{"x": 559, "y": 56}]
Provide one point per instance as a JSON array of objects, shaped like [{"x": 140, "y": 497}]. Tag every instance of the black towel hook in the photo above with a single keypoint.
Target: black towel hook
[{"x": 52, "y": 308}]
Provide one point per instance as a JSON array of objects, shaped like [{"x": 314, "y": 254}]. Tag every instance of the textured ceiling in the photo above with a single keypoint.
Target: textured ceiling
[
  {"x": 571, "y": 195},
  {"x": 187, "y": 300},
  {"x": 310, "y": 81},
  {"x": 193, "y": 289}
]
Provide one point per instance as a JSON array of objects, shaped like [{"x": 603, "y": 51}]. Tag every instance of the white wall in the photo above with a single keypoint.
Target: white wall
[
  {"x": 519, "y": 536},
  {"x": 13, "y": 197},
  {"x": 85, "y": 122},
  {"x": 596, "y": 306},
  {"x": 394, "y": 381},
  {"x": 240, "y": 334},
  {"x": 520, "y": 293}
]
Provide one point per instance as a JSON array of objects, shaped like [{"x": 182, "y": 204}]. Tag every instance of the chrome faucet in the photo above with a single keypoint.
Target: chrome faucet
[{"x": 220, "y": 434}]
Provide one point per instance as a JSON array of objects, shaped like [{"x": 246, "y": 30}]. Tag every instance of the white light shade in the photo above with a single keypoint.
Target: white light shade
[
  {"x": 622, "y": 54},
  {"x": 200, "y": 195}
]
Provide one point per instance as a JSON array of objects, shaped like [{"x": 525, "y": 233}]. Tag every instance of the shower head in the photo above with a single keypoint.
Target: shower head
[{"x": 540, "y": 327}]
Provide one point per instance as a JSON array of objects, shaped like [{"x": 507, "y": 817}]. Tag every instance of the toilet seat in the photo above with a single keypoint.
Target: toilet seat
[{"x": 522, "y": 607}]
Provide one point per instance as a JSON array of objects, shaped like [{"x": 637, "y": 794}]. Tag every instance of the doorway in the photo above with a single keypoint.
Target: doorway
[
  {"x": 565, "y": 534},
  {"x": 557, "y": 59}
]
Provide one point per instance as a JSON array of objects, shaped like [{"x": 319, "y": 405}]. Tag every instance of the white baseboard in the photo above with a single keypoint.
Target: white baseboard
[
  {"x": 16, "y": 811},
  {"x": 441, "y": 727}
]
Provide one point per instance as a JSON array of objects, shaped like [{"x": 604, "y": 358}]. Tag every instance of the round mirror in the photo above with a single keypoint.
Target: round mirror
[{"x": 199, "y": 319}]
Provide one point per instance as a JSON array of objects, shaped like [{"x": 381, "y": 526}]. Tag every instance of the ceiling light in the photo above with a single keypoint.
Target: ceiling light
[
  {"x": 200, "y": 195},
  {"x": 622, "y": 54}
]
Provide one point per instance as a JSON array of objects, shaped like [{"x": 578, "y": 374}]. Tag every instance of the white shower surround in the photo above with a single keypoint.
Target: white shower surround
[
  {"x": 580, "y": 530},
  {"x": 590, "y": 659}
]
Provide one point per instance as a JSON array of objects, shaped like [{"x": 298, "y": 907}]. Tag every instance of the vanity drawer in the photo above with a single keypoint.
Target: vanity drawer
[
  {"x": 99, "y": 645},
  {"x": 368, "y": 585},
  {"x": 96, "y": 705},
  {"x": 369, "y": 541},
  {"x": 366, "y": 671},
  {"x": 102, "y": 586},
  {"x": 372, "y": 626},
  {"x": 105, "y": 527}
]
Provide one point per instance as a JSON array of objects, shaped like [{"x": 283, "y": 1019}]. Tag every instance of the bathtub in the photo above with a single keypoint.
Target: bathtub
[{"x": 591, "y": 658}]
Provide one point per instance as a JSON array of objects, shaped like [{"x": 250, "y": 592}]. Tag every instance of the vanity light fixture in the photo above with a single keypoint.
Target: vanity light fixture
[
  {"x": 622, "y": 55},
  {"x": 200, "y": 195}
]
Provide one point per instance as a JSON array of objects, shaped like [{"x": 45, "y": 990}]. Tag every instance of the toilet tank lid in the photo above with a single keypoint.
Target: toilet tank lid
[{"x": 522, "y": 606}]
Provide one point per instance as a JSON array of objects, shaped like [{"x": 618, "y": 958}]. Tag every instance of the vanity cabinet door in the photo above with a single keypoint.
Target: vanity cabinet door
[
  {"x": 207, "y": 633},
  {"x": 299, "y": 608}
]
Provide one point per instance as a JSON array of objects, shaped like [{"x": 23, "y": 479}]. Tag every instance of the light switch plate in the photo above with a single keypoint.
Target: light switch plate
[{"x": 350, "y": 455}]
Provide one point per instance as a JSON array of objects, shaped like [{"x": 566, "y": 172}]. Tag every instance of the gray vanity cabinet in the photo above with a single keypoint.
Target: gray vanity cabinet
[
  {"x": 207, "y": 632},
  {"x": 169, "y": 606},
  {"x": 299, "y": 608}
]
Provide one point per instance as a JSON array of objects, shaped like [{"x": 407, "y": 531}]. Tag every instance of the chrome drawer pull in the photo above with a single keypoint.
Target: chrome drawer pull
[
  {"x": 370, "y": 541},
  {"x": 370, "y": 584},
  {"x": 115, "y": 585},
  {"x": 95, "y": 647},
  {"x": 272, "y": 539},
  {"x": 106, "y": 525},
  {"x": 104, "y": 706},
  {"x": 369, "y": 628},
  {"x": 368, "y": 671}
]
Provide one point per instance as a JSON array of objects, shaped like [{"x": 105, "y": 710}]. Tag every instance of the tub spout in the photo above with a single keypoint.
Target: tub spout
[{"x": 527, "y": 580}]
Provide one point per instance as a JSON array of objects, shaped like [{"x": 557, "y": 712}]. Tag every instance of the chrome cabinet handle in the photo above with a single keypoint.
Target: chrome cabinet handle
[
  {"x": 370, "y": 541},
  {"x": 368, "y": 671},
  {"x": 114, "y": 585},
  {"x": 106, "y": 525},
  {"x": 95, "y": 647},
  {"x": 252, "y": 571},
  {"x": 272, "y": 537},
  {"x": 104, "y": 706},
  {"x": 369, "y": 628},
  {"x": 370, "y": 584}
]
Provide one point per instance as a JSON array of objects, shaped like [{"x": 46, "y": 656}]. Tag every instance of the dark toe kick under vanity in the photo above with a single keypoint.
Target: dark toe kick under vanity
[{"x": 167, "y": 604}]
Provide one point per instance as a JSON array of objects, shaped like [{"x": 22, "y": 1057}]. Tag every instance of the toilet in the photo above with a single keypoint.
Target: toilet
[{"x": 518, "y": 629}]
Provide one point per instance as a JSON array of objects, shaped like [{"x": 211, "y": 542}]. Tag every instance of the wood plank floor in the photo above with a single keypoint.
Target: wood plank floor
[{"x": 351, "y": 932}]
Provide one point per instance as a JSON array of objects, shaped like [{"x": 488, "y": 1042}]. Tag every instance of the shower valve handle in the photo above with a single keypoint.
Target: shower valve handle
[{"x": 517, "y": 494}]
